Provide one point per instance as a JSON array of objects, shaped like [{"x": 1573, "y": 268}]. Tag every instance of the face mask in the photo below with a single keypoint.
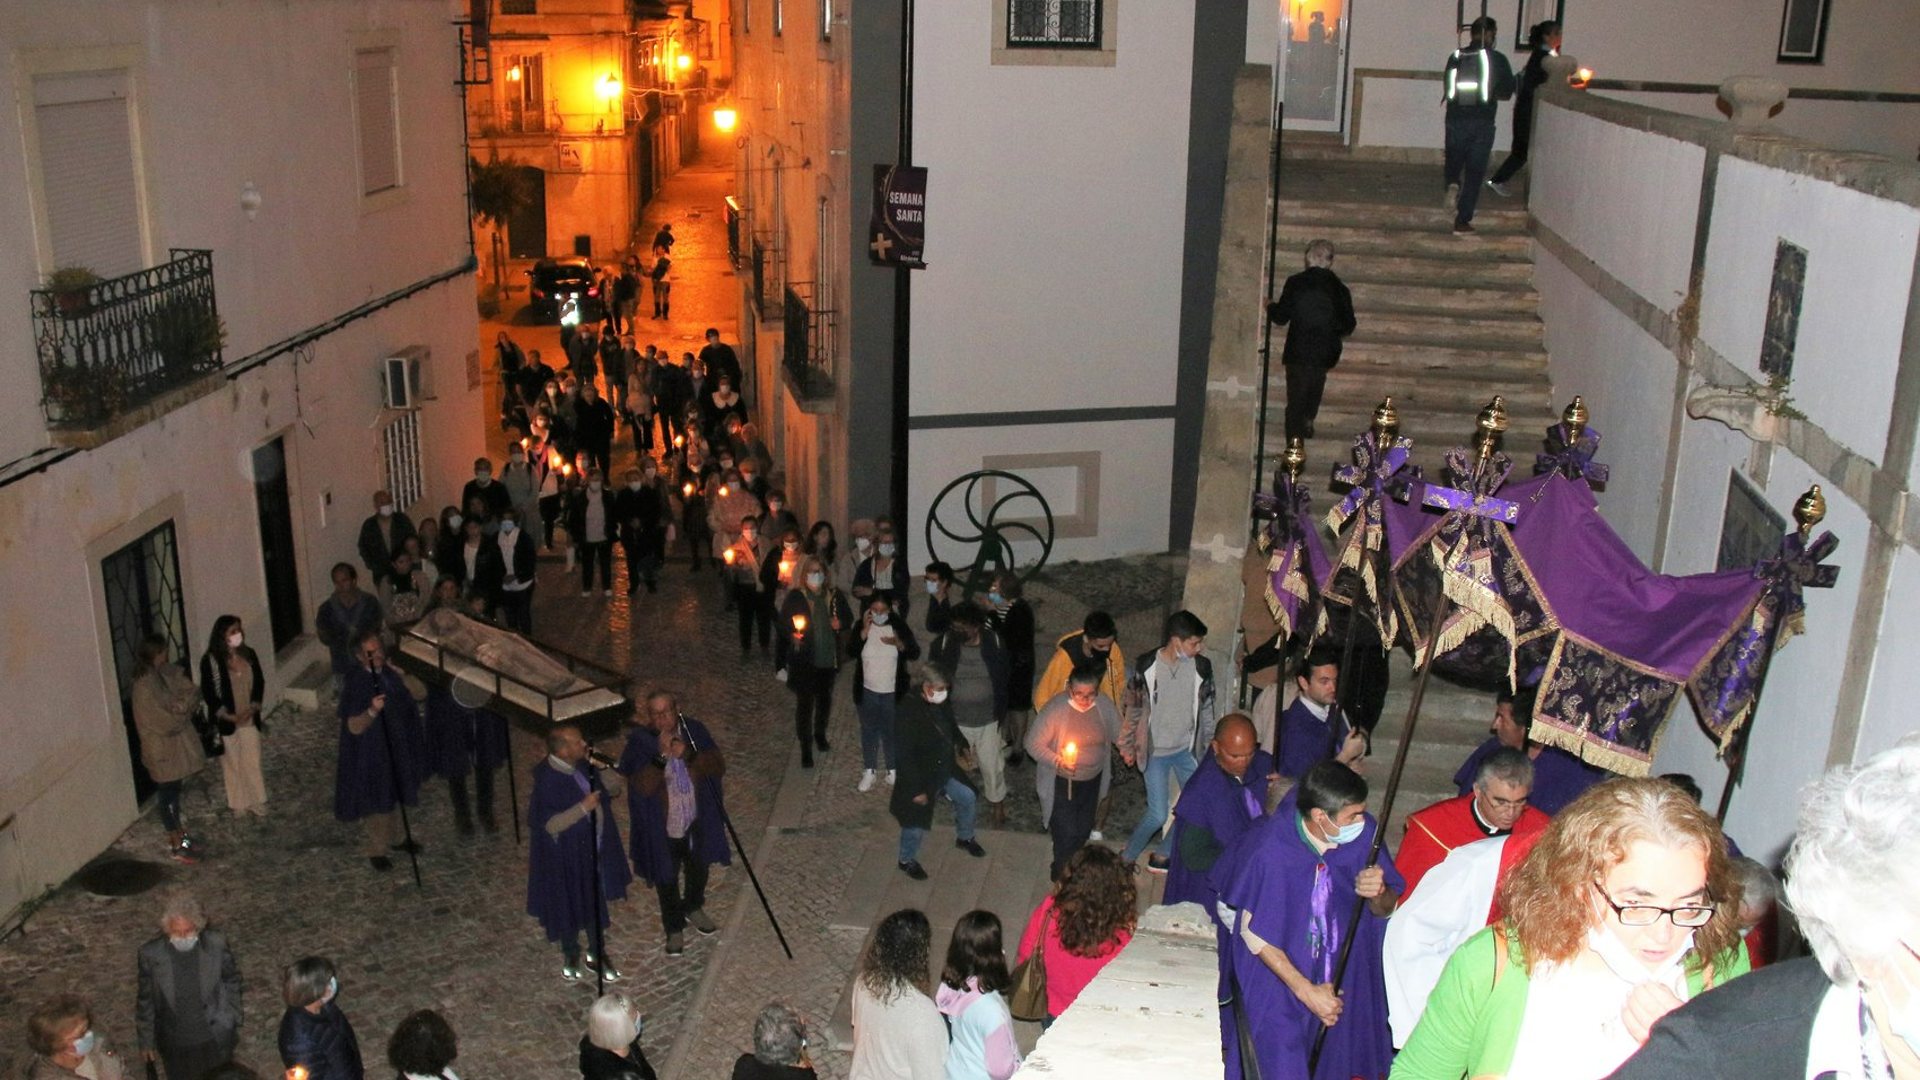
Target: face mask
[
  {"x": 333, "y": 989},
  {"x": 862, "y": 543},
  {"x": 386, "y": 509},
  {"x": 509, "y": 526},
  {"x": 633, "y": 485},
  {"x": 933, "y": 588},
  {"x": 814, "y": 581},
  {"x": 725, "y": 464},
  {"x": 937, "y": 696},
  {"x": 791, "y": 547},
  {"x": 518, "y": 459},
  {"x": 880, "y": 618},
  {"x": 482, "y": 477},
  {"x": 774, "y": 506},
  {"x": 185, "y": 944},
  {"x": 84, "y": 1045},
  {"x": 996, "y": 599},
  {"x": 1348, "y": 833},
  {"x": 1077, "y": 707},
  {"x": 1623, "y": 963},
  {"x": 234, "y": 640},
  {"x": 453, "y": 521},
  {"x": 886, "y": 550}
]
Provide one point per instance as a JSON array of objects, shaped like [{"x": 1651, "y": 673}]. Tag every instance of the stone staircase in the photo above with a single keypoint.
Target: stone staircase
[{"x": 1445, "y": 323}]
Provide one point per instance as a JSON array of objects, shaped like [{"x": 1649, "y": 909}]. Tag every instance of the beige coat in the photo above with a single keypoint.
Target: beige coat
[{"x": 163, "y": 705}]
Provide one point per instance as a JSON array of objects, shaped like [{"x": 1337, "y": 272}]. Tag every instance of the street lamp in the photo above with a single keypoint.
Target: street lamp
[
  {"x": 608, "y": 87},
  {"x": 683, "y": 61},
  {"x": 725, "y": 117}
]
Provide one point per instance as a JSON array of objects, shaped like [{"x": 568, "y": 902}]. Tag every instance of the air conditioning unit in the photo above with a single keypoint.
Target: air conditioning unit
[{"x": 403, "y": 379}]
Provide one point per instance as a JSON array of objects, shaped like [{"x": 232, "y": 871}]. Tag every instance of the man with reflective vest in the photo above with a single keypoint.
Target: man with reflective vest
[{"x": 1477, "y": 79}]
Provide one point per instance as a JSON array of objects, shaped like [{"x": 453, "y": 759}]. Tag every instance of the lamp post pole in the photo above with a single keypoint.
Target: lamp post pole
[{"x": 902, "y": 293}]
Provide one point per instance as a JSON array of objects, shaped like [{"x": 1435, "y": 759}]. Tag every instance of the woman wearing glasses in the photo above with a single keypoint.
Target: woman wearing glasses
[{"x": 1624, "y": 909}]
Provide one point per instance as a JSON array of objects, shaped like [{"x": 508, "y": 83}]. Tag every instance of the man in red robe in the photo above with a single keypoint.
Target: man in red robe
[{"x": 1496, "y": 807}]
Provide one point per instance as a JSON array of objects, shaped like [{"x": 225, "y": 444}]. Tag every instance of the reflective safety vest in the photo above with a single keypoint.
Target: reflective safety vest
[{"x": 1470, "y": 85}]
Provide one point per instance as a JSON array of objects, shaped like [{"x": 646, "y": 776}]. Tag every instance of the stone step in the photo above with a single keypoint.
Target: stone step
[
  {"x": 1486, "y": 220},
  {"x": 310, "y": 686},
  {"x": 1463, "y": 395},
  {"x": 1415, "y": 355},
  {"x": 1350, "y": 240},
  {"x": 1444, "y": 327},
  {"x": 1497, "y": 371},
  {"x": 1374, "y": 295},
  {"x": 1449, "y": 271}
]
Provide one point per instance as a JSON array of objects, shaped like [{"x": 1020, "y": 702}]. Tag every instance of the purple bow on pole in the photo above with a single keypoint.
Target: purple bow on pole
[
  {"x": 1474, "y": 495},
  {"x": 1728, "y": 689},
  {"x": 1289, "y": 532},
  {"x": 1571, "y": 458},
  {"x": 1372, "y": 476}
]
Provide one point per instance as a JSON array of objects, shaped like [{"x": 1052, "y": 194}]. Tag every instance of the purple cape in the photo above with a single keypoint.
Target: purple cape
[
  {"x": 1559, "y": 778},
  {"x": 459, "y": 738},
  {"x": 1215, "y": 803},
  {"x": 560, "y": 869},
  {"x": 652, "y": 855},
  {"x": 366, "y": 774},
  {"x": 1471, "y": 767},
  {"x": 1272, "y": 873},
  {"x": 1306, "y": 740}
]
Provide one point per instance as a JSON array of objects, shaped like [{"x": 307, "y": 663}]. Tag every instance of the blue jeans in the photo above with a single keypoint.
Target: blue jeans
[
  {"x": 876, "y": 727},
  {"x": 964, "y": 802},
  {"x": 1181, "y": 766}
]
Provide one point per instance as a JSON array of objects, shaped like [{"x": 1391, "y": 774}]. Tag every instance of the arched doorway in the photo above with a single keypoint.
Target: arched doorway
[{"x": 527, "y": 229}]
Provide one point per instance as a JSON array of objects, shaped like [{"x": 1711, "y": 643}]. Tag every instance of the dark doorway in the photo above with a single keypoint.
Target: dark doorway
[
  {"x": 643, "y": 170},
  {"x": 142, "y": 583},
  {"x": 271, "y": 498},
  {"x": 527, "y": 230}
]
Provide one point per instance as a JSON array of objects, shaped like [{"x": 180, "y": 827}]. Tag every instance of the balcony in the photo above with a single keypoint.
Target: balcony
[
  {"x": 118, "y": 352},
  {"x": 807, "y": 353}
]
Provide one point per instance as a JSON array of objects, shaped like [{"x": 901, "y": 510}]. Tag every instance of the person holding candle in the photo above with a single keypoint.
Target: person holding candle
[
  {"x": 751, "y": 602},
  {"x": 316, "y": 1040},
  {"x": 815, "y": 622},
  {"x": 1070, "y": 743}
]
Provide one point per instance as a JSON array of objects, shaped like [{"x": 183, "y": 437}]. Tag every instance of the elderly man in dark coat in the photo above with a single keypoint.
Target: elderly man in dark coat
[
  {"x": 933, "y": 758},
  {"x": 380, "y": 760},
  {"x": 1317, "y": 309},
  {"x": 572, "y": 831},
  {"x": 677, "y": 807},
  {"x": 187, "y": 1011}
]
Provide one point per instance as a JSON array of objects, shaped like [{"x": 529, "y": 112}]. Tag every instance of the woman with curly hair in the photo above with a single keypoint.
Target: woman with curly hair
[
  {"x": 897, "y": 1032},
  {"x": 1084, "y": 924},
  {"x": 1625, "y": 908},
  {"x": 423, "y": 1047}
]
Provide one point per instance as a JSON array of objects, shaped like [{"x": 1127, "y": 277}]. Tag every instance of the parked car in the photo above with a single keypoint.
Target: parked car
[{"x": 553, "y": 281}]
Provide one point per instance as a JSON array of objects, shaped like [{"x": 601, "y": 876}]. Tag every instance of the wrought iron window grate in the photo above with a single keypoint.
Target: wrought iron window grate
[
  {"x": 400, "y": 451},
  {"x": 1053, "y": 24}
]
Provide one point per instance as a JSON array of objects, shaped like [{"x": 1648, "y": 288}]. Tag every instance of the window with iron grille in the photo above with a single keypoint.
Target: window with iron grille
[
  {"x": 400, "y": 453},
  {"x": 1053, "y": 24}
]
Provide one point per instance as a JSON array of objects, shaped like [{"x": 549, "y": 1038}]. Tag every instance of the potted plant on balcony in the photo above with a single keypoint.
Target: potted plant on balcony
[
  {"x": 71, "y": 287},
  {"x": 188, "y": 336},
  {"x": 80, "y": 395}
]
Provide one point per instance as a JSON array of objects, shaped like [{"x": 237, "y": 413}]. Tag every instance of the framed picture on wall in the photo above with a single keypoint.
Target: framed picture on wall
[
  {"x": 1532, "y": 12},
  {"x": 1803, "y": 31}
]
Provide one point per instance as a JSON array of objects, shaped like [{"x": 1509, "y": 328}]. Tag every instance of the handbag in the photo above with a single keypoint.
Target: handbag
[
  {"x": 211, "y": 742},
  {"x": 1028, "y": 998}
]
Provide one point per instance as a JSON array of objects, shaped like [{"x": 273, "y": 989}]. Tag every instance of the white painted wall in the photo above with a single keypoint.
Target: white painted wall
[
  {"x": 1135, "y": 484},
  {"x": 1056, "y": 224},
  {"x": 1885, "y": 128},
  {"x": 1895, "y": 683},
  {"x": 1860, "y": 253},
  {"x": 227, "y": 95}
]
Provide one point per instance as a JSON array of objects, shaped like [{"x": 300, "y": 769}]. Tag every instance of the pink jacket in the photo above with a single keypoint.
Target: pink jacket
[{"x": 1067, "y": 974}]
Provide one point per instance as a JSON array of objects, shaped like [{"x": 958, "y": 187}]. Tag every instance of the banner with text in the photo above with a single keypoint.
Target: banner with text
[{"x": 899, "y": 232}]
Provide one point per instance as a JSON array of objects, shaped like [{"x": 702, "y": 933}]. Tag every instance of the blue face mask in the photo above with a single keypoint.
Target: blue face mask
[
  {"x": 1349, "y": 832},
  {"x": 84, "y": 1045},
  {"x": 996, "y": 599},
  {"x": 333, "y": 989}
]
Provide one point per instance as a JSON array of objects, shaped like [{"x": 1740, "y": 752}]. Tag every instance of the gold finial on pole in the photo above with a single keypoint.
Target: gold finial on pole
[
  {"x": 1809, "y": 510},
  {"x": 1386, "y": 420},
  {"x": 1575, "y": 418},
  {"x": 1492, "y": 422},
  {"x": 1294, "y": 459}
]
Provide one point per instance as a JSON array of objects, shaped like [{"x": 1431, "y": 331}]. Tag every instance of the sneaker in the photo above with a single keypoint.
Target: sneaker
[
  {"x": 1156, "y": 864},
  {"x": 1096, "y": 836},
  {"x": 971, "y": 847},
  {"x": 1452, "y": 197},
  {"x": 1499, "y": 189},
  {"x": 608, "y": 592},
  {"x": 182, "y": 854},
  {"x": 698, "y": 919},
  {"x": 380, "y": 863},
  {"x": 583, "y": 592},
  {"x": 866, "y": 780},
  {"x": 676, "y": 943},
  {"x": 778, "y": 676},
  {"x": 914, "y": 870},
  {"x": 889, "y": 777},
  {"x": 571, "y": 973},
  {"x": 1464, "y": 230}
]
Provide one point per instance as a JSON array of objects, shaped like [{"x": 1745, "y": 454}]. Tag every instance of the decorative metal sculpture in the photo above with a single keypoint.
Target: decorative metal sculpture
[{"x": 984, "y": 527}]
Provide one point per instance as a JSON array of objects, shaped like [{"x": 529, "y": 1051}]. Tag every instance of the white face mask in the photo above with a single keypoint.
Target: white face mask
[
  {"x": 774, "y": 506},
  {"x": 453, "y": 521},
  {"x": 933, "y": 588},
  {"x": 235, "y": 639},
  {"x": 862, "y": 543},
  {"x": 507, "y": 527},
  {"x": 814, "y": 581},
  {"x": 482, "y": 477},
  {"x": 1904, "y": 1021},
  {"x": 333, "y": 989},
  {"x": 84, "y": 1045},
  {"x": 879, "y": 618},
  {"x": 633, "y": 485},
  {"x": 386, "y": 509},
  {"x": 886, "y": 550},
  {"x": 1348, "y": 833},
  {"x": 1077, "y": 707},
  {"x": 1621, "y": 960},
  {"x": 185, "y": 944},
  {"x": 937, "y": 696}
]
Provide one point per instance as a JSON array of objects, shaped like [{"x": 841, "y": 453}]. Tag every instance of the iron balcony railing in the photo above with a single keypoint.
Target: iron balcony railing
[
  {"x": 805, "y": 353},
  {"x": 119, "y": 343}
]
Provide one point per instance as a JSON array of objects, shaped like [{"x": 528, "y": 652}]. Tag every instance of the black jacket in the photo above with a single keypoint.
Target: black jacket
[
  {"x": 216, "y": 688},
  {"x": 323, "y": 1043},
  {"x": 593, "y": 424},
  {"x": 904, "y": 641},
  {"x": 1317, "y": 310},
  {"x": 1015, "y": 627},
  {"x": 1754, "y": 1027},
  {"x": 795, "y": 653},
  {"x": 376, "y": 554},
  {"x": 643, "y": 511},
  {"x": 493, "y": 496},
  {"x": 598, "y": 1064},
  {"x": 577, "y": 516},
  {"x": 928, "y": 741}
]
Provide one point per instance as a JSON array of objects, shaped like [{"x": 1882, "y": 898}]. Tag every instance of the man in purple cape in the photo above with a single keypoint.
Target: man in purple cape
[
  {"x": 463, "y": 742},
  {"x": 1315, "y": 728},
  {"x": 570, "y": 803},
  {"x": 677, "y": 808},
  {"x": 379, "y": 766},
  {"x": 1558, "y": 777},
  {"x": 1289, "y": 885},
  {"x": 1219, "y": 804}
]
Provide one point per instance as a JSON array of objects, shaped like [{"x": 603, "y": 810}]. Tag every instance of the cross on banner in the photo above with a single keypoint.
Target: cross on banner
[{"x": 881, "y": 245}]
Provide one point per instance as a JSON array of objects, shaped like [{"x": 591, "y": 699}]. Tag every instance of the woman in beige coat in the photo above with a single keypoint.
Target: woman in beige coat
[{"x": 164, "y": 699}]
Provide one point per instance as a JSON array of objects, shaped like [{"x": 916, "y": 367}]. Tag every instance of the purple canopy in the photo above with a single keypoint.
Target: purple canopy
[{"x": 1297, "y": 567}]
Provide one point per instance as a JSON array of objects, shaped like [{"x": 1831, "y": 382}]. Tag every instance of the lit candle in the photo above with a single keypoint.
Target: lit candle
[
  {"x": 679, "y": 441},
  {"x": 799, "y": 625},
  {"x": 1581, "y": 78},
  {"x": 525, "y": 443},
  {"x": 723, "y": 491},
  {"x": 566, "y": 469},
  {"x": 728, "y": 555},
  {"x": 1070, "y": 755},
  {"x": 554, "y": 460},
  {"x": 298, "y": 1072},
  {"x": 687, "y": 489},
  {"x": 786, "y": 570}
]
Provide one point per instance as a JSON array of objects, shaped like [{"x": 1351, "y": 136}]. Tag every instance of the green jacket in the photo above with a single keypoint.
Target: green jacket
[{"x": 1472, "y": 1019}]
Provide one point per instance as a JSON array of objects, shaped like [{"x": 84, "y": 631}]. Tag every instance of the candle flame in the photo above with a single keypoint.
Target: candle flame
[
  {"x": 728, "y": 555},
  {"x": 679, "y": 441},
  {"x": 687, "y": 489},
  {"x": 799, "y": 623},
  {"x": 566, "y": 469},
  {"x": 724, "y": 492}
]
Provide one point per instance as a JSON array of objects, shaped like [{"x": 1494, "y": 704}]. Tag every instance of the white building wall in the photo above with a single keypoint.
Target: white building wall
[
  {"x": 225, "y": 96},
  {"x": 1056, "y": 224}
]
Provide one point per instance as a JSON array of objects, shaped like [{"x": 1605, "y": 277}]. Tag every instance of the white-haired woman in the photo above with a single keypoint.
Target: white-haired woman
[
  {"x": 1853, "y": 1008},
  {"x": 779, "y": 1047},
  {"x": 610, "y": 1050},
  {"x": 187, "y": 1007}
]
